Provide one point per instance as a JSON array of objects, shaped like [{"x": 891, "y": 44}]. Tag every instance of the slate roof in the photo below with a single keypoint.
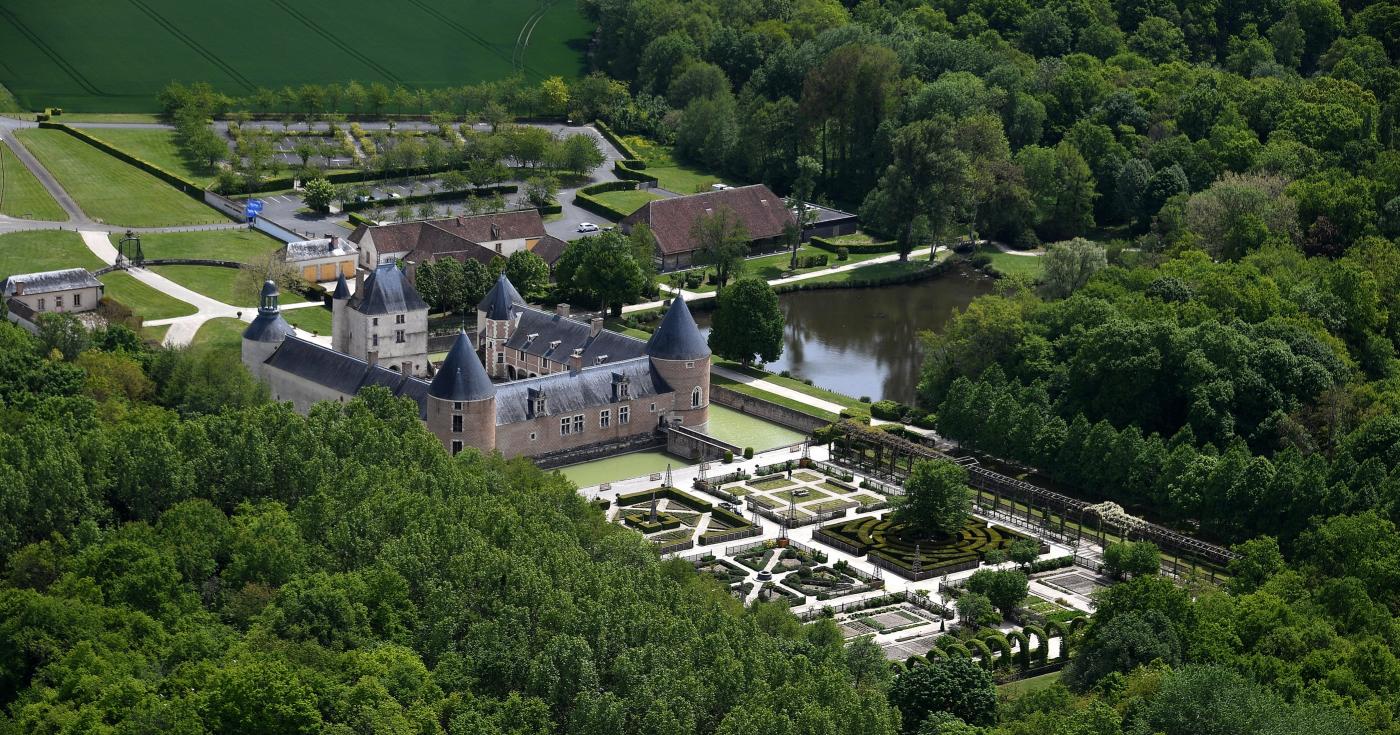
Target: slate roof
[
  {"x": 762, "y": 212},
  {"x": 549, "y": 327},
  {"x": 549, "y": 248},
  {"x": 268, "y": 327},
  {"x": 678, "y": 338},
  {"x": 461, "y": 376},
  {"x": 319, "y": 248},
  {"x": 342, "y": 373},
  {"x": 571, "y": 392},
  {"x": 67, "y": 279},
  {"x": 386, "y": 291},
  {"x": 342, "y": 289},
  {"x": 501, "y": 300}
]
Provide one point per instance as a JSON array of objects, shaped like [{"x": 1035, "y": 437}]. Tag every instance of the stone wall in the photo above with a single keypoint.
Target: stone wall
[
  {"x": 766, "y": 410},
  {"x": 686, "y": 442},
  {"x": 600, "y": 450}
]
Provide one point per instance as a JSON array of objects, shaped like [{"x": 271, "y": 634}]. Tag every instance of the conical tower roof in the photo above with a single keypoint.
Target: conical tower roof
[
  {"x": 342, "y": 289},
  {"x": 678, "y": 338},
  {"x": 268, "y": 325},
  {"x": 501, "y": 299},
  {"x": 461, "y": 376}
]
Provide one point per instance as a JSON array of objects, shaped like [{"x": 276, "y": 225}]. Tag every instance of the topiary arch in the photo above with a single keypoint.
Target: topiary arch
[
  {"x": 1000, "y": 643},
  {"x": 1042, "y": 648},
  {"x": 957, "y": 649},
  {"x": 983, "y": 651},
  {"x": 1023, "y": 652}
]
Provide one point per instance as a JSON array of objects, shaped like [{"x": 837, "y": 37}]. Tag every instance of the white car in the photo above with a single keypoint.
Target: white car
[{"x": 587, "y": 227}]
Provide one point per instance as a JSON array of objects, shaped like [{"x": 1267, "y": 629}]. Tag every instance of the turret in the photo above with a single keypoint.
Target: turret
[
  {"x": 462, "y": 400},
  {"x": 266, "y": 333},
  {"x": 495, "y": 317},
  {"x": 681, "y": 356},
  {"x": 340, "y": 329}
]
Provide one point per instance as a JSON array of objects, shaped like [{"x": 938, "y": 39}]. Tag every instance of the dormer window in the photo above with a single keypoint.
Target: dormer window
[
  {"x": 622, "y": 387},
  {"x": 554, "y": 345},
  {"x": 539, "y": 402}
]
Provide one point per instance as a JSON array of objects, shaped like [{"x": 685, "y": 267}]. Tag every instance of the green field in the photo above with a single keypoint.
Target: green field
[
  {"x": 310, "y": 319},
  {"x": 21, "y": 195},
  {"x": 154, "y": 146},
  {"x": 626, "y": 201},
  {"x": 110, "y": 190},
  {"x": 671, "y": 175},
  {"x": 243, "y": 246},
  {"x": 147, "y": 302},
  {"x": 1009, "y": 264},
  {"x": 99, "y": 56},
  {"x": 221, "y": 334},
  {"x": 220, "y": 284},
  {"x": 44, "y": 250}
]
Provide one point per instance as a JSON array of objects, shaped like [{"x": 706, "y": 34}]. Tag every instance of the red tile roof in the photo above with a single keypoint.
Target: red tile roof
[
  {"x": 762, "y": 213},
  {"x": 458, "y": 237}
]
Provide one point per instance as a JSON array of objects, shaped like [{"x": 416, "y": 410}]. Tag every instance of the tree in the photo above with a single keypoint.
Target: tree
[
  {"x": 1127, "y": 641},
  {"x": 748, "y": 323},
  {"x": 808, "y": 169},
  {"x": 957, "y": 686},
  {"x": 1132, "y": 558},
  {"x": 1024, "y": 551},
  {"x": 554, "y": 94},
  {"x": 318, "y": 194},
  {"x": 62, "y": 334},
  {"x": 601, "y": 267},
  {"x": 720, "y": 241},
  {"x": 581, "y": 154},
  {"x": 442, "y": 284},
  {"x": 929, "y": 176},
  {"x": 528, "y": 272},
  {"x": 936, "y": 500},
  {"x": 1005, "y": 589},
  {"x": 1068, "y": 265},
  {"x": 541, "y": 189}
]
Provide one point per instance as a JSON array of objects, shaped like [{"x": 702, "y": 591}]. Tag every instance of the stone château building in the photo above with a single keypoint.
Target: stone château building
[{"x": 532, "y": 383}]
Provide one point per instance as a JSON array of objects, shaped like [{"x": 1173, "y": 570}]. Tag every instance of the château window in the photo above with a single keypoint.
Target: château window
[
  {"x": 456, "y": 405},
  {"x": 374, "y": 340},
  {"x": 689, "y": 365},
  {"x": 624, "y": 414},
  {"x": 399, "y": 319},
  {"x": 398, "y": 336},
  {"x": 77, "y": 300},
  {"x": 457, "y": 423},
  {"x": 43, "y": 305},
  {"x": 456, "y": 446},
  {"x": 564, "y": 426},
  {"x": 374, "y": 321},
  {"x": 695, "y": 397},
  {"x": 533, "y": 436},
  {"x": 500, "y": 358},
  {"x": 653, "y": 408},
  {"x": 578, "y": 424},
  {"x": 604, "y": 418},
  {"x": 58, "y": 303}
]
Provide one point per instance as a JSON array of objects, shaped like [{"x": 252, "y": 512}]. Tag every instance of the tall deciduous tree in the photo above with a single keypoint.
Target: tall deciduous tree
[
  {"x": 955, "y": 685},
  {"x": 528, "y": 272},
  {"x": 928, "y": 175},
  {"x": 721, "y": 241},
  {"x": 936, "y": 500},
  {"x": 748, "y": 322},
  {"x": 1068, "y": 265}
]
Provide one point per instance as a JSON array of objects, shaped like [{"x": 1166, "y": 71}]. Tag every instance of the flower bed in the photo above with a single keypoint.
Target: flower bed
[{"x": 883, "y": 539}]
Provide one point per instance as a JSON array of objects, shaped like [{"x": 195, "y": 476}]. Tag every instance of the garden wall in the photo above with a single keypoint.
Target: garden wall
[
  {"x": 599, "y": 451},
  {"x": 767, "y": 410}
]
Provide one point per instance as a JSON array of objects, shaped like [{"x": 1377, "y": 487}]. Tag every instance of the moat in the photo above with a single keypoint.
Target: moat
[{"x": 865, "y": 341}]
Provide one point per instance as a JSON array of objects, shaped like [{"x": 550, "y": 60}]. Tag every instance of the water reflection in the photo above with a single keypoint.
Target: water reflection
[{"x": 865, "y": 341}]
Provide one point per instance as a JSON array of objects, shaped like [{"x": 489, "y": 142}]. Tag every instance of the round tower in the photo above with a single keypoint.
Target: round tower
[
  {"x": 495, "y": 317},
  {"x": 266, "y": 333},
  {"x": 681, "y": 356},
  {"x": 340, "y": 302},
  {"x": 462, "y": 401}
]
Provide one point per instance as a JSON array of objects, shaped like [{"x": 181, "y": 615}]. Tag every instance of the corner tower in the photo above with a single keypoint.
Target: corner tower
[
  {"x": 462, "y": 401},
  {"x": 387, "y": 321},
  {"x": 340, "y": 328},
  {"x": 266, "y": 333},
  {"x": 680, "y": 355},
  {"x": 495, "y": 316}
]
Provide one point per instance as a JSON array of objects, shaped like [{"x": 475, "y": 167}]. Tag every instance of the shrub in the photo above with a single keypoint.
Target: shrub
[
  {"x": 728, "y": 456},
  {"x": 843, "y": 253},
  {"x": 786, "y": 374},
  {"x": 748, "y": 452},
  {"x": 865, "y": 399},
  {"x": 980, "y": 260},
  {"x": 886, "y": 409}
]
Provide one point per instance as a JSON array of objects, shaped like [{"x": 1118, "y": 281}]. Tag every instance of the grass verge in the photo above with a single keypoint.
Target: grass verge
[
  {"x": 222, "y": 333},
  {"x": 22, "y": 195},
  {"x": 220, "y": 284},
  {"x": 44, "y": 250},
  {"x": 154, "y": 145},
  {"x": 243, "y": 246},
  {"x": 147, "y": 302}
]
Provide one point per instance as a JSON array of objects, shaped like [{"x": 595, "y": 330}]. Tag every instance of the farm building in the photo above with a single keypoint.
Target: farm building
[{"x": 762, "y": 213}]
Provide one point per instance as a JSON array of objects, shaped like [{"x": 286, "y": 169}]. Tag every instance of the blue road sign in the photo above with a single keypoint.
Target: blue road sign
[
  {"x": 254, "y": 205},
  {"x": 249, "y": 212}
]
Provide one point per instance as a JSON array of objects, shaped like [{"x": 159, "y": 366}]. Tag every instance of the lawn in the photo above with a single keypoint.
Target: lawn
[
  {"x": 21, "y": 195},
  {"x": 776, "y": 483},
  {"x": 243, "y": 246},
  {"x": 627, "y": 201},
  {"x": 770, "y": 267},
  {"x": 154, "y": 146},
  {"x": 786, "y": 496},
  {"x": 110, "y": 190},
  {"x": 82, "y": 58},
  {"x": 872, "y": 272},
  {"x": 1011, "y": 265},
  {"x": 221, "y": 334},
  {"x": 851, "y": 404},
  {"x": 220, "y": 284},
  {"x": 155, "y": 334},
  {"x": 749, "y": 390},
  {"x": 1023, "y": 687},
  {"x": 670, "y": 173},
  {"x": 313, "y": 319},
  {"x": 147, "y": 302},
  {"x": 44, "y": 250}
]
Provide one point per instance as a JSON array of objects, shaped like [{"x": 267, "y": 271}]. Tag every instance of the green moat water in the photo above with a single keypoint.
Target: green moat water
[{"x": 726, "y": 424}]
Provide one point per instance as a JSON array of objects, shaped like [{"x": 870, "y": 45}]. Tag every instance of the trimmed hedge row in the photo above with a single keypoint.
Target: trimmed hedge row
[
  {"x": 188, "y": 187},
  {"x": 616, "y": 140},
  {"x": 886, "y": 246},
  {"x": 669, "y": 493},
  {"x": 585, "y": 199}
]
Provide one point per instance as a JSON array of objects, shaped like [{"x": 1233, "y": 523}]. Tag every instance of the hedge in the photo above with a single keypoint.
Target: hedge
[
  {"x": 884, "y": 246},
  {"x": 615, "y": 140},
  {"x": 983, "y": 650},
  {"x": 669, "y": 493},
  {"x": 555, "y": 208},
  {"x": 188, "y": 187},
  {"x": 1045, "y": 565},
  {"x": 585, "y": 199},
  {"x": 359, "y": 219}
]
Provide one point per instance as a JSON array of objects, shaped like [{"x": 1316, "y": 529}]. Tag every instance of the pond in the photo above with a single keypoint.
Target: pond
[{"x": 865, "y": 341}]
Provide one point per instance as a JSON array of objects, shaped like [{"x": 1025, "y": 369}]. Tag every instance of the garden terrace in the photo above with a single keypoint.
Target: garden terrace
[{"x": 883, "y": 540}]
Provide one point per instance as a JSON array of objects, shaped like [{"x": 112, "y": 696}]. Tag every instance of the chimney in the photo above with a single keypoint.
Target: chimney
[
  {"x": 562, "y": 310},
  {"x": 335, "y": 243},
  {"x": 359, "y": 280},
  {"x": 372, "y": 358},
  {"x": 576, "y": 360},
  {"x": 597, "y": 326},
  {"x": 459, "y": 220}
]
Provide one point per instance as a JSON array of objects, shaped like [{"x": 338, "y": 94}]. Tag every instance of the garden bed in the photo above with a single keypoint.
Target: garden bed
[{"x": 882, "y": 538}]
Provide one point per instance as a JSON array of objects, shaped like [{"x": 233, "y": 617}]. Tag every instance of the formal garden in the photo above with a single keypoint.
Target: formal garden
[{"x": 895, "y": 547}]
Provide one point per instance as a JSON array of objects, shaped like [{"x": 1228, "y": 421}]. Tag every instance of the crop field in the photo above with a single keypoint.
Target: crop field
[{"x": 102, "y": 56}]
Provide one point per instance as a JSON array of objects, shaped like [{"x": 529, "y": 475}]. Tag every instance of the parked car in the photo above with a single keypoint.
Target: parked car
[
  {"x": 395, "y": 195},
  {"x": 718, "y": 187},
  {"x": 587, "y": 227}
]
